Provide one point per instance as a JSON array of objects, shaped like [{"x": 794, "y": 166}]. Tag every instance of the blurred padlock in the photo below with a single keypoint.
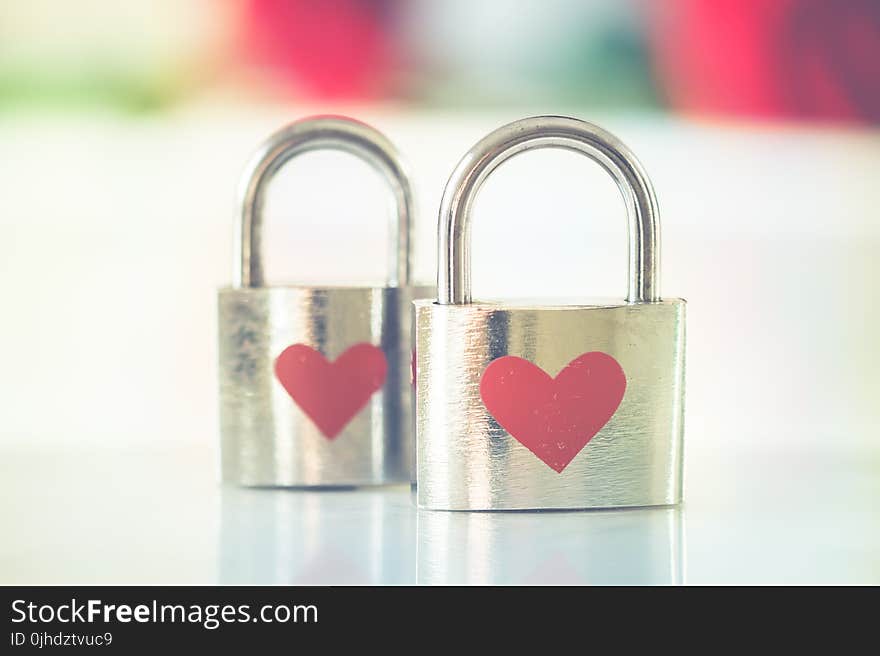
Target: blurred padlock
[
  {"x": 531, "y": 406},
  {"x": 315, "y": 384}
]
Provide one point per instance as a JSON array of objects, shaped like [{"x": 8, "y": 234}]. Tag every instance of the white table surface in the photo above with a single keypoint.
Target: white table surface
[
  {"x": 158, "y": 516},
  {"x": 115, "y": 233}
]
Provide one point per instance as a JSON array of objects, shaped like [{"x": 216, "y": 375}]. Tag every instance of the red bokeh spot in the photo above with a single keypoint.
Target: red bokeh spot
[
  {"x": 772, "y": 58},
  {"x": 324, "y": 49}
]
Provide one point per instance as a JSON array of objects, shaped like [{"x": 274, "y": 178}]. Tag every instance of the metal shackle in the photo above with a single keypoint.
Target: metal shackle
[
  {"x": 454, "y": 257},
  {"x": 319, "y": 133}
]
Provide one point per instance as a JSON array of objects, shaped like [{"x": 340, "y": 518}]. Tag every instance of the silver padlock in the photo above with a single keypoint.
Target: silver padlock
[
  {"x": 315, "y": 383},
  {"x": 524, "y": 406}
]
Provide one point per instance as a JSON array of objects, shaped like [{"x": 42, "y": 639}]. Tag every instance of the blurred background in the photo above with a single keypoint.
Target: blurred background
[{"x": 124, "y": 127}]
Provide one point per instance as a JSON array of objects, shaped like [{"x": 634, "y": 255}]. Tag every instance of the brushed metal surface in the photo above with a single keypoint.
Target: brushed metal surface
[
  {"x": 265, "y": 438},
  {"x": 466, "y": 461}
]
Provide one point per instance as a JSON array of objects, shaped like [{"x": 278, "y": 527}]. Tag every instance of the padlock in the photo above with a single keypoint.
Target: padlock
[
  {"x": 524, "y": 406},
  {"x": 315, "y": 382}
]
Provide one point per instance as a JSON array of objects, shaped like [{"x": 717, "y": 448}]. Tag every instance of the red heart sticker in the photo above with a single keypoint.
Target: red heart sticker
[
  {"x": 331, "y": 393},
  {"x": 553, "y": 417}
]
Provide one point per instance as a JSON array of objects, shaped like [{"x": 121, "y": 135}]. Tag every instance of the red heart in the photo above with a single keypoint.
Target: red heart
[
  {"x": 553, "y": 417},
  {"x": 331, "y": 393}
]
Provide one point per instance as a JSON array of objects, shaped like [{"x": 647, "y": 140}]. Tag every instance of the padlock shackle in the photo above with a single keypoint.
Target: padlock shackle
[
  {"x": 320, "y": 133},
  {"x": 643, "y": 224}
]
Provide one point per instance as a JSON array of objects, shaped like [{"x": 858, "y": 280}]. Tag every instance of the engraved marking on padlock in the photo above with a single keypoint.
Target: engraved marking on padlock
[
  {"x": 468, "y": 459},
  {"x": 273, "y": 430}
]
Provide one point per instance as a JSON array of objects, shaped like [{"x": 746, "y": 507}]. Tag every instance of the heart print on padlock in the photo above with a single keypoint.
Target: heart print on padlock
[
  {"x": 531, "y": 405},
  {"x": 315, "y": 382}
]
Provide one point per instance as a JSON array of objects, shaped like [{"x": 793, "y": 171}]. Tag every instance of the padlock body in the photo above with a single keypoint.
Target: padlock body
[
  {"x": 466, "y": 460},
  {"x": 292, "y": 412}
]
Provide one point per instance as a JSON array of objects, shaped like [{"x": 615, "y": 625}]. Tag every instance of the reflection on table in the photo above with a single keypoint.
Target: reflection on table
[
  {"x": 328, "y": 537},
  {"x": 642, "y": 546},
  {"x": 373, "y": 536}
]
